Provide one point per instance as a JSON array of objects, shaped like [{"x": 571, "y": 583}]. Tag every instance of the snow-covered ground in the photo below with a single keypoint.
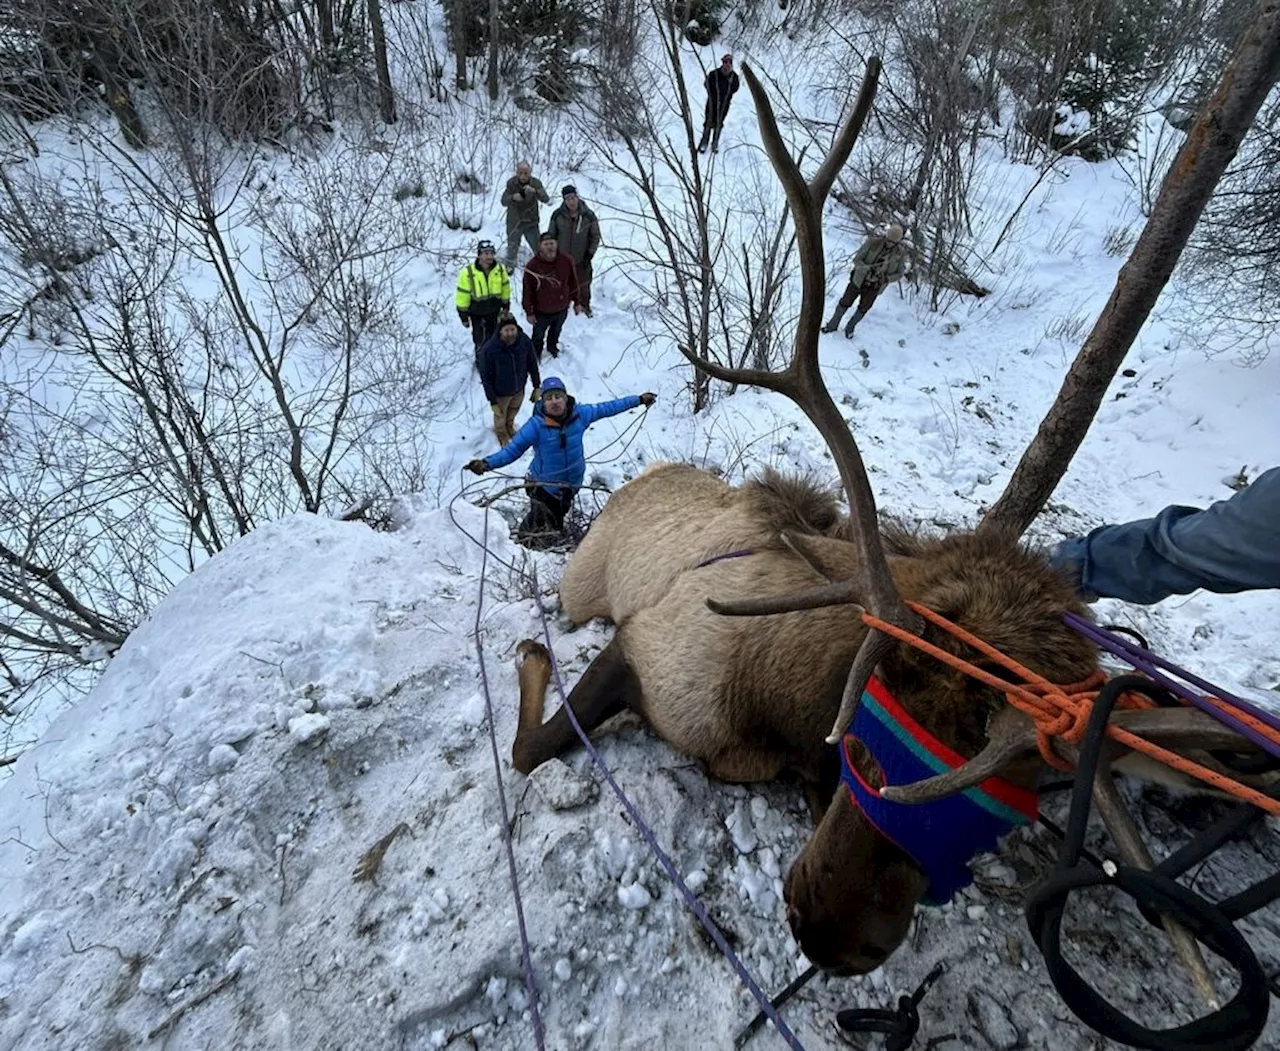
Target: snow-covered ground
[{"x": 179, "y": 853}]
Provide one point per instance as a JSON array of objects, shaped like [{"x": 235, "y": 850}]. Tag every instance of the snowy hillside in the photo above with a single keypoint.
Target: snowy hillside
[
  {"x": 275, "y": 821},
  {"x": 186, "y": 849}
]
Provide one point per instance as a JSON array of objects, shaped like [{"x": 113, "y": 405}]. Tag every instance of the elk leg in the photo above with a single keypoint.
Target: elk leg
[
  {"x": 607, "y": 687},
  {"x": 742, "y": 764}
]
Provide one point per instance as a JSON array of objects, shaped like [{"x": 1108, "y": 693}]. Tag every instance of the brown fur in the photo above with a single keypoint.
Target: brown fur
[
  {"x": 754, "y": 696},
  {"x": 673, "y": 517}
]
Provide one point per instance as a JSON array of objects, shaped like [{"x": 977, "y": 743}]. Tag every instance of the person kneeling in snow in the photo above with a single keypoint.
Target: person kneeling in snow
[{"x": 555, "y": 434}]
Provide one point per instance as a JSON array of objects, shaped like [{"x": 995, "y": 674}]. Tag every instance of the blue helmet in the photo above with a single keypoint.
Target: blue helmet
[{"x": 550, "y": 383}]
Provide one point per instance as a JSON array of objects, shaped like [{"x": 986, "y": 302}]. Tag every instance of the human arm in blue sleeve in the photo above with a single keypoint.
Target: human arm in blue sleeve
[
  {"x": 516, "y": 448},
  {"x": 600, "y": 410},
  {"x": 1233, "y": 545}
]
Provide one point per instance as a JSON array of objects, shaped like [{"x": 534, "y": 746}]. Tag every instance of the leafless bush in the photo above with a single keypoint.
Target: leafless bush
[
  {"x": 1118, "y": 239},
  {"x": 710, "y": 264},
  {"x": 220, "y": 348}
]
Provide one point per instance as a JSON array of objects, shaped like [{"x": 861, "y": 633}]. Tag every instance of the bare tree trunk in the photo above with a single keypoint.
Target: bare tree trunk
[
  {"x": 1211, "y": 144},
  {"x": 324, "y": 16},
  {"x": 386, "y": 97},
  {"x": 459, "y": 47},
  {"x": 493, "y": 50}
]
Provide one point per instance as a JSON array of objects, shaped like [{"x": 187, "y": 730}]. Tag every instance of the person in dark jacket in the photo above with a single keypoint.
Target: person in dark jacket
[
  {"x": 880, "y": 262},
  {"x": 550, "y": 285},
  {"x": 554, "y": 432},
  {"x": 1230, "y": 546},
  {"x": 483, "y": 295},
  {"x": 721, "y": 83},
  {"x": 520, "y": 199},
  {"x": 577, "y": 233},
  {"x": 506, "y": 362}
]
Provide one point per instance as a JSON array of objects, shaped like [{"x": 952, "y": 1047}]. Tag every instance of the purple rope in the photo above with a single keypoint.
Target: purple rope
[
  {"x": 526, "y": 961},
  {"x": 1150, "y": 664},
  {"x": 721, "y": 558},
  {"x": 694, "y": 905}
]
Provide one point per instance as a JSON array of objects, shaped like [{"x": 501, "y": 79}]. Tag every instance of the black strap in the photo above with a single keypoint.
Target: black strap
[
  {"x": 900, "y": 1026},
  {"x": 1233, "y": 1027}
]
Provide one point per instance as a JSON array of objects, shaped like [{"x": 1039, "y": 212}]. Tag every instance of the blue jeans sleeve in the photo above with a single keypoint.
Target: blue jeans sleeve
[{"x": 1233, "y": 545}]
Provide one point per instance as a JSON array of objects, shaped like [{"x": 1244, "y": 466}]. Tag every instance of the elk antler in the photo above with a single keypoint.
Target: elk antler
[
  {"x": 1178, "y": 729},
  {"x": 802, "y": 382},
  {"x": 841, "y": 593}
]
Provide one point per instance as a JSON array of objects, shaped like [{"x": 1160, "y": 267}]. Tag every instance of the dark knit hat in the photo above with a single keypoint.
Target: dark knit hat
[
  {"x": 570, "y": 189},
  {"x": 507, "y": 319},
  {"x": 547, "y": 235}
]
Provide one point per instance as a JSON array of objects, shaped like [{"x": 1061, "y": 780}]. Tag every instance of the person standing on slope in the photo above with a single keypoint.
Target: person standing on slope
[
  {"x": 483, "y": 294},
  {"x": 520, "y": 199},
  {"x": 555, "y": 434},
  {"x": 577, "y": 233},
  {"x": 550, "y": 285},
  {"x": 721, "y": 84},
  {"x": 880, "y": 262},
  {"x": 506, "y": 362}
]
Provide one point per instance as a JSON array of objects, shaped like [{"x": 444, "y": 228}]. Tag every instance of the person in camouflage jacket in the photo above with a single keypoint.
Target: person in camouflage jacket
[{"x": 880, "y": 262}]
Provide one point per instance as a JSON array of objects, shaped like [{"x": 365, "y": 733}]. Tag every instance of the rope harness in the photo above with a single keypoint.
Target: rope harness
[
  {"x": 1079, "y": 714},
  {"x": 1063, "y": 711}
]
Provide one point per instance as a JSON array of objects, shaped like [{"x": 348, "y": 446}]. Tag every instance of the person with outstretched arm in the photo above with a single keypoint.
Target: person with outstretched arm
[
  {"x": 554, "y": 432},
  {"x": 1230, "y": 546}
]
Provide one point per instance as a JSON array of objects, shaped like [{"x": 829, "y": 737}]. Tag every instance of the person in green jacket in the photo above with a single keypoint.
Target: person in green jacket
[
  {"x": 880, "y": 262},
  {"x": 483, "y": 295},
  {"x": 520, "y": 199}
]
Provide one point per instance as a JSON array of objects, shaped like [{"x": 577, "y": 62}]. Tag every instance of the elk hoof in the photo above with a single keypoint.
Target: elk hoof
[{"x": 531, "y": 648}]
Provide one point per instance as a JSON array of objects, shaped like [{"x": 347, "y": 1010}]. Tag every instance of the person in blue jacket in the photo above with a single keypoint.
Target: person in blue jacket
[
  {"x": 554, "y": 432},
  {"x": 1230, "y": 546}
]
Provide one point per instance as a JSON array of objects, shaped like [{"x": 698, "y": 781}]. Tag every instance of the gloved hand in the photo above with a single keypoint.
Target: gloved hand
[
  {"x": 477, "y": 466},
  {"x": 648, "y": 398},
  {"x": 537, "y": 393},
  {"x": 577, "y": 308},
  {"x": 466, "y": 322}
]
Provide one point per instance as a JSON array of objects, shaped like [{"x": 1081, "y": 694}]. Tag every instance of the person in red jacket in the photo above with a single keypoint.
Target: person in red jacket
[{"x": 550, "y": 285}]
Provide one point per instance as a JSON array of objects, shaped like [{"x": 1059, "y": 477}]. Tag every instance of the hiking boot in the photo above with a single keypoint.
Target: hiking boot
[
  {"x": 853, "y": 323},
  {"x": 831, "y": 325}
]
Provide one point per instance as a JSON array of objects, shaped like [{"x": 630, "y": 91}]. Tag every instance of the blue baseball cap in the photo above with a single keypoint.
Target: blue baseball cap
[{"x": 551, "y": 383}]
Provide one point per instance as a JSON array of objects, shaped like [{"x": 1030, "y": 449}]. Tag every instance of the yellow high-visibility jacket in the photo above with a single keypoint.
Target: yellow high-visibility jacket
[{"x": 480, "y": 293}]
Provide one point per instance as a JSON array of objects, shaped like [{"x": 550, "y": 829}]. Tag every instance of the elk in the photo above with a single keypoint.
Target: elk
[{"x": 740, "y": 638}]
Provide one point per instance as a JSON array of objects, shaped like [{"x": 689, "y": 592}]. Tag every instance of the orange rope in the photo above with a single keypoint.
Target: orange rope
[{"x": 1063, "y": 710}]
